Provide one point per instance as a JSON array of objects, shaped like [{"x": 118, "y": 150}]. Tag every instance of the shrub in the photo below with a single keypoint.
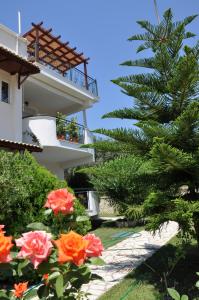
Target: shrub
[
  {"x": 118, "y": 180},
  {"x": 24, "y": 185}
]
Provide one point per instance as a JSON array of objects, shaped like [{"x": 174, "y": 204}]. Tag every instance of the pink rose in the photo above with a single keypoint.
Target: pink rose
[
  {"x": 35, "y": 245},
  {"x": 60, "y": 201},
  {"x": 94, "y": 247}
]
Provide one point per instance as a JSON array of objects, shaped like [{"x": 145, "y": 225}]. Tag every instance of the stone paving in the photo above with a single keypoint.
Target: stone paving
[{"x": 126, "y": 256}]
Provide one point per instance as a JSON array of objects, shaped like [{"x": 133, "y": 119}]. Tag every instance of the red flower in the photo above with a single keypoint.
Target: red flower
[
  {"x": 60, "y": 201},
  {"x": 94, "y": 247},
  {"x": 45, "y": 276},
  {"x": 20, "y": 288},
  {"x": 71, "y": 248}
]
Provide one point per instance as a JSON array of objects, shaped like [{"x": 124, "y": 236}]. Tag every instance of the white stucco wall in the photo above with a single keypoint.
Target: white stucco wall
[
  {"x": 9, "y": 39},
  {"x": 11, "y": 113}
]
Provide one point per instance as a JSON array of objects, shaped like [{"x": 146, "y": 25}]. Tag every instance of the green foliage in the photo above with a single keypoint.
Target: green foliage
[
  {"x": 24, "y": 185},
  {"x": 72, "y": 128},
  {"x": 176, "y": 296},
  {"x": 60, "y": 124},
  {"x": 118, "y": 179},
  {"x": 165, "y": 135}
]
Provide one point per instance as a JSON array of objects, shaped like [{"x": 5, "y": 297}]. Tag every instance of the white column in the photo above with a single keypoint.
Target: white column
[
  {"x": 84, "y": 119},
  {"x": 88, "y": 139},
  {"x": 16, "y": 97}
]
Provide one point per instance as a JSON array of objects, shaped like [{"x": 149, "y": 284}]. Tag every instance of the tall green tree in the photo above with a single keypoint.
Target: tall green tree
[{"x": 165, "y": 109}]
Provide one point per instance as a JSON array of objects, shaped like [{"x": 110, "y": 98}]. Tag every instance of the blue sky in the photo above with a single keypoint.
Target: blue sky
[{"x": 100, "y": 29}]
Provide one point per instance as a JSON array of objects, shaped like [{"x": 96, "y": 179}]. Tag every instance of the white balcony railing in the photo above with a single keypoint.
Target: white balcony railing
[{"x": 42, "y": 130}]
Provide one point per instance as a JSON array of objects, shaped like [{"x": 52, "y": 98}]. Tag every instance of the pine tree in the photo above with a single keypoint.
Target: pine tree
[{"x": 166, "y": 133}]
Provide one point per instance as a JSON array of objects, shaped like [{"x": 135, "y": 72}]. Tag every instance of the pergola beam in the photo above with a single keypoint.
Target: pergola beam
[{"x": 49, "y": 49}]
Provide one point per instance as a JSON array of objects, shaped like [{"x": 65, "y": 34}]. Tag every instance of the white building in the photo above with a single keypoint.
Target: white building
[{"x": 38, "y": 78}]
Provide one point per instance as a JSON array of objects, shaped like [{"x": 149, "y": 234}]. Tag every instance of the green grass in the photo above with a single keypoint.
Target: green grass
[
  {"x": 145, "y": 284},
  {"x": 105, "y": 233}
]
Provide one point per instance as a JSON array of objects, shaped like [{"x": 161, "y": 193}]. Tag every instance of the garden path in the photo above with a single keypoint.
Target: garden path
[{"x": 126, "y": 256}]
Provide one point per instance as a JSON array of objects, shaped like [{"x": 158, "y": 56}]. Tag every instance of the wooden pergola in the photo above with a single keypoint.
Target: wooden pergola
[
  {"x": 15, "y": 64},
  {"x": 49, "y": 49}
]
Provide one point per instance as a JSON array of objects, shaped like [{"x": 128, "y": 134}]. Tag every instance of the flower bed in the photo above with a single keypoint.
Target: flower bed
[{"x": 51, "y": 264}]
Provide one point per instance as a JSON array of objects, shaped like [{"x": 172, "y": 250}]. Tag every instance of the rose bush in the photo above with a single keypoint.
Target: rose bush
[{"x": 48, "y": 264}]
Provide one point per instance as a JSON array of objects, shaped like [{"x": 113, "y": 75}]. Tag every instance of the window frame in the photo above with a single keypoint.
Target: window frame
[{"x": 1, "y": 85}]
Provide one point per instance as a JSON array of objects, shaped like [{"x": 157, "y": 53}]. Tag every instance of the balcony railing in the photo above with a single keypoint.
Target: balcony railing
[
  {"x": 45, "y": 130},
  {"x": 74, "y": 75},
  {"x": 82, "y": 80},
  {"x": 73, "y": 132}
]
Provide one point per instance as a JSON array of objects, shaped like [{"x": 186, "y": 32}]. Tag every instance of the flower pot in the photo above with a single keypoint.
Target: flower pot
[
  {"x": 74, "y": 139},
  {"x": 61, "y": 137}
]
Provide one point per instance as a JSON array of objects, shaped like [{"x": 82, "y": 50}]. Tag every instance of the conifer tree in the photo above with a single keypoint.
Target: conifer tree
[{"x": 165, "y": 105}]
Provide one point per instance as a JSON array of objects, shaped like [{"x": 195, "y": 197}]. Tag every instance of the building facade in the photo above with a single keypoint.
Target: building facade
[{"x": 39, "y": 78}]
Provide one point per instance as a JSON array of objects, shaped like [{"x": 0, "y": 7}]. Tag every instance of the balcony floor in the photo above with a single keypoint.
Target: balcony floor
[{"x": 67, "y": 155}]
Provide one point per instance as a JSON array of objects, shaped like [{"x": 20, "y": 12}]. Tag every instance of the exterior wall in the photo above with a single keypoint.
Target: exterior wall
[
  {"x": 11, "y": 113},
  {"x": 105, "y": 208},
  {"x": 10, "y": 39}
]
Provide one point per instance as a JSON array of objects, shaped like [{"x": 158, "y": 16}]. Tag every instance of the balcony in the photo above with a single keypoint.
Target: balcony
[
  {"x": 65, "y": 149},
  {"x": 44, "y": 130},
  {"x": 74, "y": 76},
  {"x": 48, "y": 50}
]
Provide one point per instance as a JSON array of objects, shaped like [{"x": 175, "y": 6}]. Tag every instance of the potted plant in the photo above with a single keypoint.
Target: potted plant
[
  {"x": 72, "y": 130},
  {"x": 61, "y": 126}
]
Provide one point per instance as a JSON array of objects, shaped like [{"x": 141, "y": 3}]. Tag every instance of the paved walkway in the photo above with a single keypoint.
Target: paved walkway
[{"x": 126, "y": 256}]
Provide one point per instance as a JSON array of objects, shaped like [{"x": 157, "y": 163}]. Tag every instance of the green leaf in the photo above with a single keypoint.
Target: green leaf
[
  {"x": 82, "y": 219},
  {"x": 184, "y": 297},
  {"x": 3, "y": 295},
  {"x": 174, "y": 294},
  {"x": 59, "y": 286},
  {"x": 97, "y": 261},
  {"x": 38, "y": 226},
  {"x": 197, "y": 284},
  {"x": 54, "y": 275},
  {"x": 47, "y": 212},
  {"x": 45, "y": 267},
  {"x": 21, "y": 266}
]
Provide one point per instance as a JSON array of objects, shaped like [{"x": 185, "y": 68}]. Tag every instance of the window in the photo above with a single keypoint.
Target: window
[{"x": 4, "y": 92}]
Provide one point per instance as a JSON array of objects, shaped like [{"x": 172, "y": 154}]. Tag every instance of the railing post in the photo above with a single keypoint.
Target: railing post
[
  {"x": 96, "y": 87},
  {"x": 71, "y": 75},
  {"x": 37, "y": 46},
  {"x": 85, "y": 75}
]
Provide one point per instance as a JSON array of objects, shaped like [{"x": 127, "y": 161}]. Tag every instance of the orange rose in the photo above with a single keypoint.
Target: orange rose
[
  {"x": 5, "y": 246},
  {"x": 71, "y": 248},
  {"x": 20, "y": 288}
]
